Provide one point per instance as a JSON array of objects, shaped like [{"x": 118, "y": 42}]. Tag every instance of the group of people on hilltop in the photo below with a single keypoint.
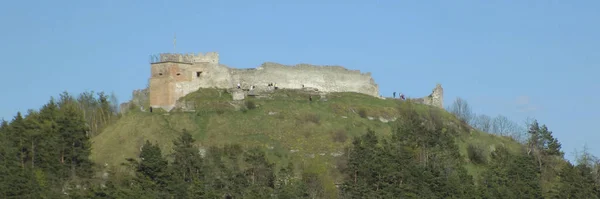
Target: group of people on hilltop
[
  {"x": 274, "y": 85},
  {"x": 401, "y": 96}
]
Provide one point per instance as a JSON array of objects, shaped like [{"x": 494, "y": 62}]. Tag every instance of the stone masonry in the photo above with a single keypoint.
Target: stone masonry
[
  {"x": 436, "y": 98},
  {"x": 176, "y": 75}
]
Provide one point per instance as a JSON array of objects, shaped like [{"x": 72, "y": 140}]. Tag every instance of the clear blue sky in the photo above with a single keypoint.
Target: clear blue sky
[{"x": 535, "y": 58}]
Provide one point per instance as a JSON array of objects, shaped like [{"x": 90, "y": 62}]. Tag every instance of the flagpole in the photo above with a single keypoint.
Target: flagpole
[{"x": 175, "y": 43}]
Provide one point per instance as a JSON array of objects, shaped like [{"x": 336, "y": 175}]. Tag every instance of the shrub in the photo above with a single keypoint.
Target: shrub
[
  {"x": 314, "y": 118},
  {"x": 363, "y": 113},
  {"x": 250, "y": 105},
  {"x": 307, "y": 134},
  {"x": 340, "y": 136},
  {"x": 476, "y": 154},
  {"x": 221, "y": 108}
]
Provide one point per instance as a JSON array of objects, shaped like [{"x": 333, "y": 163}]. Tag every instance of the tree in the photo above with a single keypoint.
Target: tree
[
  {"x": 186, "y": 171},
  {"x": 545, "y": 149},
  {"x": 260, "y": 174},
  {"x": 483, "y": 123},
  {"x": 503, "y": 126},
  {"x": 152, "y": 164},
  {"x": 151, "y": 171},
  {"x": 114, "y": 103},
  {"x": 511, "y": 176},
  {"x": 74, "y": 140},
  {"x": 542, "y": 140},
  {"x": 461, "y": 109}
]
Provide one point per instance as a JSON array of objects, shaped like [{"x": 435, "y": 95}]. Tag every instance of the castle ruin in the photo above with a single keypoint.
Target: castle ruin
[{"x": 175, "y": 75}]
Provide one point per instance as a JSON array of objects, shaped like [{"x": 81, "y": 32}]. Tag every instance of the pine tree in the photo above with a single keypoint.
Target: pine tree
[
  {"x": 74, "y": 141},
  {"x": 186, "y": 171}
]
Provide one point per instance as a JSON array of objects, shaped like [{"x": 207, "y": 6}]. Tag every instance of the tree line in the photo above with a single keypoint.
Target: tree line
[
  {"x": 498, "y": 125},
  {"x": 45, "y": 154}
]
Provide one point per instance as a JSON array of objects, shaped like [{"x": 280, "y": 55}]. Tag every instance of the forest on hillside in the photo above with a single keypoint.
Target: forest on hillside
[{"x": 46, "y": 154}]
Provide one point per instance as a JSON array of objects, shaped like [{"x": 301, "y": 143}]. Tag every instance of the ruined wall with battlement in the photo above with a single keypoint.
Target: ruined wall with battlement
[
  {"x": 176, "y": 75},
  {"x": 210, "y": 57},
  {"x": 323, "y": 78}
]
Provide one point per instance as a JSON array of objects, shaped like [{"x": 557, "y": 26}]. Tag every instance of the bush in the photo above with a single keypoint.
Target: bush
[
  {"x": 340, "y": 136},
  {"x": 476, "y": 154},
  {"x": 221, "y": 108},
  {"x": 314, "y": 118},
  {"x": 250, "y": 105},
  {"x": 307, "y": 134},
  {"x": 363, "y": 113}
]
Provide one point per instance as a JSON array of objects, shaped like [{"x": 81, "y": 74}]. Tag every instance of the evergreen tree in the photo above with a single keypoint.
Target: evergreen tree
[
  {"x": 288, "y": 186},
  {"x": 74, "y": 141},
  {"x": 151, "y": 173},
  {"x": 187, "y": 174},
  {"x": 260, "y": 174},
  {"x": 511, "y": 176}
]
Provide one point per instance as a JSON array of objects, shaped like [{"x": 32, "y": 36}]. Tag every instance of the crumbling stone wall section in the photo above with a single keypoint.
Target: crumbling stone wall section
[
  {"x": 139, "y": 98},
  {"x": 323, "y": 78},
  {"x": 436, "y": 98}
]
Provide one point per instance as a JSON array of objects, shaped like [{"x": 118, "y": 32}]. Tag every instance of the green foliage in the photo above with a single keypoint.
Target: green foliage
[
  {"x": 425, "y": 153},
  {"x": 476, "y": 154},
  {"x": 362, "y": 113},
  {"x": 418, "y": 161},
  {"x": 541, "y": 138},
  {"x": 511, "y": 176},
  {"x": 312, "y": 118},
  {"x": 250, "y": 105},
  {"x": 339, "y": 136},
  {"x": 46, "y": 150}
]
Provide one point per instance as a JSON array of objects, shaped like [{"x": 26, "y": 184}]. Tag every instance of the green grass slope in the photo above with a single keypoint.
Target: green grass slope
[{"x": 284, "y": 122}]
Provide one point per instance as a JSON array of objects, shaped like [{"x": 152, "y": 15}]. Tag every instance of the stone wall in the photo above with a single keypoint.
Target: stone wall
[
  {"x": 323, "y": 78},
  {"x": 139, "y": 98},
  {"x": 210, "y": 57},
  {"x": 178, "y": 75},
  {"x": 436, "y": 98}
]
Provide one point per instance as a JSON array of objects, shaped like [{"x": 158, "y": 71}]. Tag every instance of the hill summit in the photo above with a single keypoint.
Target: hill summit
[{"x": 175, "y": 75}]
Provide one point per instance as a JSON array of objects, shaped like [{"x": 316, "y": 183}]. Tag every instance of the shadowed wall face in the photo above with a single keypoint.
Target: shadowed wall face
[{"x": 163, "y": 81}]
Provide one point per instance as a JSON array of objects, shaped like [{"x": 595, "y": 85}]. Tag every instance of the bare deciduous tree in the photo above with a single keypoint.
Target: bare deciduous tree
[
  {"x": 483, "y": 123},
  {"x": 501, "y": 125},
  {"x": 114, "y": 102},
  {"x": 461, "y": 109}
]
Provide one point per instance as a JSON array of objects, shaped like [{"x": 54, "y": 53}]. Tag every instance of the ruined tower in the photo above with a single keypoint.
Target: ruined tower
[{"x": 170, "y": 74}]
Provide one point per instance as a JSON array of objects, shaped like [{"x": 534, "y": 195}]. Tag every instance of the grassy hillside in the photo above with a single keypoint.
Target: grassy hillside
[{"x": 285, "y": 123}]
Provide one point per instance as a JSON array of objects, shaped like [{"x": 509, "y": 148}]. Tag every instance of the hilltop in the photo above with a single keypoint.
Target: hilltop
[
  {"x": 278, "y": 144},
  {"x": 284, "y": 123}
]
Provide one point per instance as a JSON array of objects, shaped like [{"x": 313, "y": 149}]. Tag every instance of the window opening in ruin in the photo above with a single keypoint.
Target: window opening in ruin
[
  {"x": 178, "y": 74},
  {"x": 198, "y": 74},
  {"x": 159, "y": 73}
]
